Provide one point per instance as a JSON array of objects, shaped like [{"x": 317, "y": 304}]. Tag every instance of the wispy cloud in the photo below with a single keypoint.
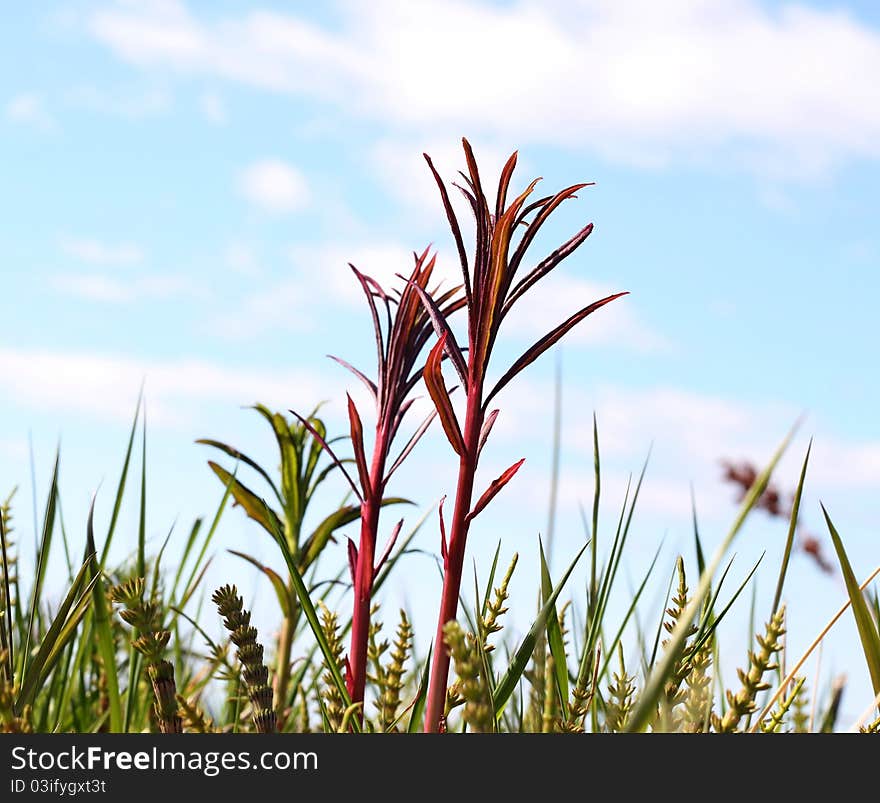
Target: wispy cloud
[
  {"x": 30, "y": 108},
  {"x": 98, "y": 252},
  {"x": 642, "y": 82},
  {"x": 96, "y": 386},
  {"x": 274, "y": 186},
  {"x": 111, "y": 289}
]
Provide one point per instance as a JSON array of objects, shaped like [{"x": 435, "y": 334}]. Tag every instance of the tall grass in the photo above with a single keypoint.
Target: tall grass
[{"x": 126, "y": 647}]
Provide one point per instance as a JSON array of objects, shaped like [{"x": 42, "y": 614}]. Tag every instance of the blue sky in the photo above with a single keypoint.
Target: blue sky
[{"x": 182, "y": 185}]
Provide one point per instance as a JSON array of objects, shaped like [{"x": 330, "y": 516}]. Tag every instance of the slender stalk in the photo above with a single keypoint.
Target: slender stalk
[
  {"x": 282, "y": 659},
  {"x": 454, "y": 562},
  {"x": 365, "y": 573}
]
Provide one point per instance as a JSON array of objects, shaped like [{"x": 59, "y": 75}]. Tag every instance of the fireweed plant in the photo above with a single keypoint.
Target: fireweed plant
[
  {"x": 402, "y": 328},
  {"x": 491, "y": 291}
]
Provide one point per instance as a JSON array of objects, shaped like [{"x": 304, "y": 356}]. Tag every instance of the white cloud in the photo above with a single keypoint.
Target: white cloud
[
  {"x": 642, "y": 82},
  {"x": 100, "y": 385},
  {"x": 275, "y": 186},
  {"x": 30, "y": 108},
  {"x": 96, "y": 252},
  {"x": 213, "y": 108},
  {"x": 95, "y": 287}
]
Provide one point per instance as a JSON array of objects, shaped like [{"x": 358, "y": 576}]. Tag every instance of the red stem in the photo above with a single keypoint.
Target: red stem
[
  {"x": 454, "y": 563},
  {"x": 363, "y": 578}
]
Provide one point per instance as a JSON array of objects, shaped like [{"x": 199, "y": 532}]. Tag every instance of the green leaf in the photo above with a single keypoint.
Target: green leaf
[
  {"x": 59, "y": 633},
  {"x": 101, "y": 614},
  {"x": 254, "y": 506},
  {"x": 554, "y": 633},
  {"x": 523, "y": 654},
  {"x": 868, "y": 633},
  {"x": 243, "y": 458},
  {"x": 418, "y": 707},
  {"x": 120, "y": 488},
  {"x": 792, "y": 528},
  {"x": 347, "y": 514},
  {"x": 42, "y": 561},
  {"x": 274, "y": 578}
]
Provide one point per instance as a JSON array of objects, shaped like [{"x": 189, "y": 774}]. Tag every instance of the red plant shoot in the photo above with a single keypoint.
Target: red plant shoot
[
  {"x": 490, "y": 292},
  {"x": 402, "y": 328}
]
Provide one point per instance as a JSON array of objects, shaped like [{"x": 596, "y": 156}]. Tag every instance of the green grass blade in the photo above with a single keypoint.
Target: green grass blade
[
  {"x": 6, "y": 623},
  {"x": 209, "y": 537},
  {"x": 142, "y": 521},
  {"x": 792, "y": 528},
  {"x": 705, "y": 633},
  {"x": 59, "y": 632},
  {"x": 123, "y": 477},
  {"x": 647, "y": 702},
  {"x": 42, "y": 561},
  {"x": 103, "y": 631},
  {"x": 187, "y": 550},
  {"x": 418, "y": 707},
  {"x": 508, "y": 682},
  {"x": 488, "y": 595},
  {"x": 609, "y": 651},
  {"x": 698, "y": 544},
  {"x": 554, "y": 633},
  {"x": 867, "y": 627}
]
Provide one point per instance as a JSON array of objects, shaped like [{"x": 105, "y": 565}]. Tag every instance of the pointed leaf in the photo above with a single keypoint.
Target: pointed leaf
[
  {"x": 437, "y": 389},
  {"x": 339, "y": 463},
  {"x": 554, "y": 633},
  {"x": 441, "y": 327},
  {"x": 867, "y": 627},
  {"x": 545, "y": 266},
  {"x": 357, "y": 443},
  {"x": 392, "y": 540},
  {"x": 494, "y": 488},
  {"x": 549, "y": 340},
  {"x": 504, "y": 183},
  {"x": 236, "y": 455},
  {"x": 254, "y": 506},
  {"x": 371, "y": 385},
  {"x": 352, "y": 560},
  {"x": 274, "y": 578},
  {"x": 505, "y": 686},
  {"x": 488, "y": 423},
  {"x": 453, "y": 225},
  {"x": 411, "y": 444},
  {"x": 321, "y": 535}
]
